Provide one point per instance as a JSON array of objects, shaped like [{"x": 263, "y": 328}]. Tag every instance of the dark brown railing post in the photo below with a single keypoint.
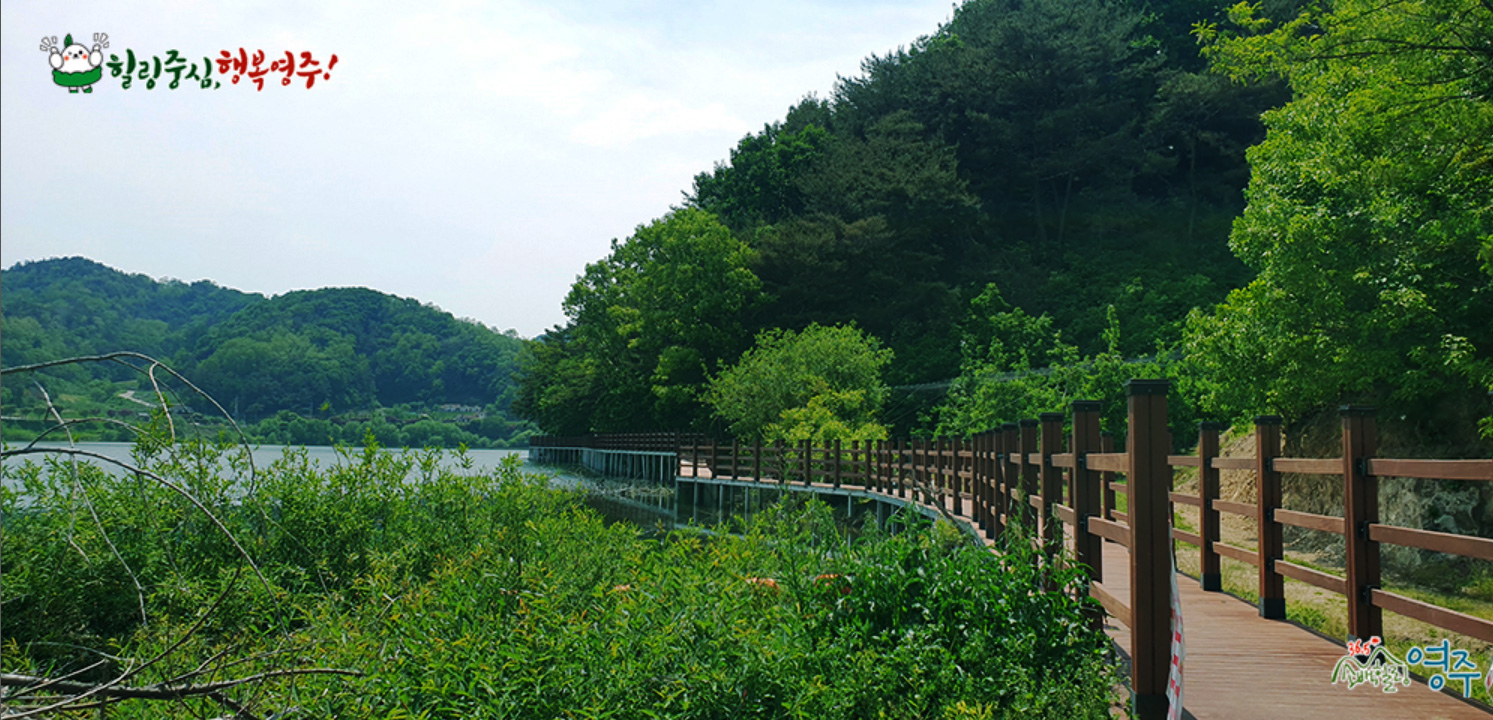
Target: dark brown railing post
[
  {"x": 883, "y": 469},
  {"x": 940, "y": 468},
  {"x": 1029, "y": 479},
  {"x": 1271, "y": 545},
  {"x": 1149, "y": 481},
  {"x": 981, "y": 471},
  {"x": 807, "y": 458},
  {"x": 930, "y": 472},
  {"x": 996, "y": 483},
  {"x": 836, "y": 475},
  {"x": 1209, "y": 570},
  {"x": 904, "y": 454},
  {"x": 915, "y": 459},
  {"x": 1012, "y": 434},
  {"x": 956, "y": 476},
  {"x": 694, "y": 456},
  {"x": 1088, "y": 548},
  {"x": 1360, "y": 509},
  {"x": 1051, "y": 487},
  {"x": 1106, "y": 478}
]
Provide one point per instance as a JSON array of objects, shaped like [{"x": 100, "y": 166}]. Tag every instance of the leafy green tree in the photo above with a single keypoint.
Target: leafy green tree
[
  {"x": 823, "y": 383},
  {"x": 1370, "y": 202},
  {"x": 646, "y": 324}
]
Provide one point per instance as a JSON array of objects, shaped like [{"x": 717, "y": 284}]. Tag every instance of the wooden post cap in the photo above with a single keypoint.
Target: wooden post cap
[{"x": 1147, "y": 387}]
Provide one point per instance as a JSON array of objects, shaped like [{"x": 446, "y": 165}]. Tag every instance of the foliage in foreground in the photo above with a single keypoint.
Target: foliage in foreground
[{"x": 461, "y": 595}]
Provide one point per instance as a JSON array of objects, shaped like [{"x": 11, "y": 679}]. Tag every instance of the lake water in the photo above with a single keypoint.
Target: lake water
[
  {"x": 646, "y": 505},
  {"x": 649, "y": 505},
  {"x": 322, "y": 456}
]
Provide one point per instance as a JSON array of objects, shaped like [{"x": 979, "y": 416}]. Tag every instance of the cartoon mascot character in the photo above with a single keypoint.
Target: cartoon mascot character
[{"x": 74, "y": 66}]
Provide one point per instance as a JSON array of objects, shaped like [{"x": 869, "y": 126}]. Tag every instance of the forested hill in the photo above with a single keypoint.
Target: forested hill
[
  {"x": 1058, "y": 156},
  {"x": 351, "y": 348},
  {"x": 1075, "y": 153},
  {"x": 318, "y": 352},
  {"x": 1062, "y": 184},
  {"x": 75, "y": 306}
]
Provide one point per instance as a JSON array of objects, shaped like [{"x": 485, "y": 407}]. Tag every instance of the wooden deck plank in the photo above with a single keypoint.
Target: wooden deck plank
[{"x": 1242, "y": 667}]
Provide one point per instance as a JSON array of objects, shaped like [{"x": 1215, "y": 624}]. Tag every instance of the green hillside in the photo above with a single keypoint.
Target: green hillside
[{"x": 313, "y": 365}]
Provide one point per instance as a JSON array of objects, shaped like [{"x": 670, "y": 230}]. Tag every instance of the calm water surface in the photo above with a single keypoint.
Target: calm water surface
[
  {"x": 617, "y": 500},
  {"x": 322, "y": 456}
]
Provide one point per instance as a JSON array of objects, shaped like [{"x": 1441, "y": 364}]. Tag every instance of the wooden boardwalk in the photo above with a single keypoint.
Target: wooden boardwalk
[
  {"x": 1061, "y": 475},
  {"x": 1239, "y": 666},
  {"x": 1242, "y": 667}
]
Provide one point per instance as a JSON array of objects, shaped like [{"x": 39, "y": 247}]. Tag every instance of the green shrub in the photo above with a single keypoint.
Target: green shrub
[{"x": 493, "y": 595}]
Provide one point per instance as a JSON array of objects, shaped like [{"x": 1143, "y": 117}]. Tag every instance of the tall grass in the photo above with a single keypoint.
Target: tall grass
[{"x": 491, "y": 595}]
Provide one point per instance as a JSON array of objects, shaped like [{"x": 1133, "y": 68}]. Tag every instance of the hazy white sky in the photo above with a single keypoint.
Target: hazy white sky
[{"x": 475, "y": 155}]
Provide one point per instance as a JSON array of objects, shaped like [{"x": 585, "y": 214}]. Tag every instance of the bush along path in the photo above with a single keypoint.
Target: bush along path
[{"x": 444, "y": 594}]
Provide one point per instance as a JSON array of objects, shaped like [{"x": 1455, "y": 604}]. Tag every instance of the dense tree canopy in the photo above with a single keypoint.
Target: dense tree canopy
[
  {"x": 1072, "y": 152},
  {"x": 824, "y": 383},
  {"x": 1370, "y": 204},
  {"x": 647, "y": 323}
]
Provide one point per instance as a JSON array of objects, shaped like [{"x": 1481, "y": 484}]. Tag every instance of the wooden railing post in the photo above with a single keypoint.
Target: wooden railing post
[
  {"x": 807, "y": 458},
  {"x": 1360, "y": 509},
  {"x": 1012, "y": 434},
  {"x": 1087, "y": 498},
  {"x": 998, "y": 493},
  {"x": 939, "y": 490},
  {"x": 993, "y": 481},
  {"x": 898, "y": 457},
  {"x": 956, "y": 477},
  {"x": 920, "y": 474},
  {"x": 983, "y": 476},
  {"x": 1029, "y": 485},
  {"x": 694, "y": 456},
  {"x": 1106, "y": 479},
  {"x": 836, "y": 475},
  {"x": 1149, "y": 481},
  {"x": 1209, "y": 570},
  {"x": 1268, "y": 491},
  {"x": 1051, "y": 487}
]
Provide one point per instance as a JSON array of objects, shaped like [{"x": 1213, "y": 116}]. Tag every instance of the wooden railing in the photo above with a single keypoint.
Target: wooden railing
[
  {"x": 1056, "y": 483},
  {"x": 640, "y": 442},
  {"x": 1359, "y": 524}
]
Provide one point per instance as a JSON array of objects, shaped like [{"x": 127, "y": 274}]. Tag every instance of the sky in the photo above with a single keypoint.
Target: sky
[{"x": 473, "y": 155}]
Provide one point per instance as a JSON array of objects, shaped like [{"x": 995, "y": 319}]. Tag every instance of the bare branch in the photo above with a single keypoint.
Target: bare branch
[
  {"x": 82, "y": 421},
  {"x": 165, "y": 691}
]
